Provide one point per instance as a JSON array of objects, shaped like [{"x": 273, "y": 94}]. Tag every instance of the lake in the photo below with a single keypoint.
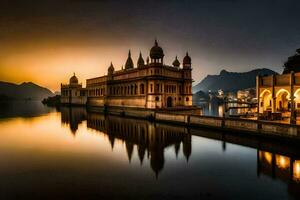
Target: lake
[{"x": 69, "y": 153}]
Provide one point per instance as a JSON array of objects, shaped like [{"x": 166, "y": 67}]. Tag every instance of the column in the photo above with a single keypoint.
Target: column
[
  {"x": 293, "y": 113},
  {"x": 273, "y": 94},
  {"x": 258, "y": 94}
]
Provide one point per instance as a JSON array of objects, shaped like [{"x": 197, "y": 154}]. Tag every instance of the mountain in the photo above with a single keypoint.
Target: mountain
[
  {"x": 26, "y": 90},
  {"x": 231, "y": 81},
  {"x": 200, "y": 96}
]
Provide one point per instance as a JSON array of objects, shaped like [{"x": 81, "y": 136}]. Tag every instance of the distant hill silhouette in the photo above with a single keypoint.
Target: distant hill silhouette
[
  {"x": 26, "y": 90},
  {"x": 231, "y": 81},
  {"x": 199, "y": 97}
]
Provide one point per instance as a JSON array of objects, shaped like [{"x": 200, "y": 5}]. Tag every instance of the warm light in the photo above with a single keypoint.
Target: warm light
[
  {"x": 282, "y": 162},
  {"x": 296, "y": 169},
  {"x": 268, "y": 157}
]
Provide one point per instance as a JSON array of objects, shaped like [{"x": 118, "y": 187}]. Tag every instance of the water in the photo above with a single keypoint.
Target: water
[{"x": 50, "y": 154}]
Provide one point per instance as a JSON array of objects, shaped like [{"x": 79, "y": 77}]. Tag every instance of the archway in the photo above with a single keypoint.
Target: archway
[
  {"x": 266, "y": 100},
  {"x": 282, "y": 100},
  {"x": 169, "y": 102},
  {"x": 297, "y": 99}
]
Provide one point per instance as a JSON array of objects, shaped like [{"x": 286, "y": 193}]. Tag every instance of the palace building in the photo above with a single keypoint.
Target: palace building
[{"x": 150, "y": 85}]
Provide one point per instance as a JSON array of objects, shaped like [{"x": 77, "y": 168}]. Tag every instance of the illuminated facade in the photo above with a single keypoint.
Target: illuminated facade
[
  {"x": 279, "y": 94},
  {"x": 150, "y": 85}
]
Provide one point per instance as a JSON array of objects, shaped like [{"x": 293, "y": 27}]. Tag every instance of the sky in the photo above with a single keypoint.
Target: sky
[{"x": 45, "y": 41}]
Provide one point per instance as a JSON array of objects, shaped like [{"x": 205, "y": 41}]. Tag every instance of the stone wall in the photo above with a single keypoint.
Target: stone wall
[{"x": 246, "y": 126}]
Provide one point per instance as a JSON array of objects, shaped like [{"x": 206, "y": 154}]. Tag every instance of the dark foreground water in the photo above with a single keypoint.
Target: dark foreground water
[{"x": 73, "y": 154}]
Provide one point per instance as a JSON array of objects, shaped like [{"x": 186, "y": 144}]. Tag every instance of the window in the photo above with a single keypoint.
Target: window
[
  {"x": 156, "y": 98},
  {"x": 151, "y": 88},
  {"x": 187, "y": 99},
  {"x": 142, "y": 89}
]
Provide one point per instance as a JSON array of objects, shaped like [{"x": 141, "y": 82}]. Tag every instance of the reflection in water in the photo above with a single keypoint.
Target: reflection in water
[
  {"x": 151, "y": 139},
  {"x": 282, "y": 167},
  {"x": 75, "y": 154},
  {"x": 73, "y": 116}
]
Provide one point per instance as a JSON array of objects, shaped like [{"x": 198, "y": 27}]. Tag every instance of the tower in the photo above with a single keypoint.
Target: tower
[{"x": 187, "y": 77}]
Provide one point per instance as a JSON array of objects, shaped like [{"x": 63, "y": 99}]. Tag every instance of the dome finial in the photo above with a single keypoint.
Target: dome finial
[{"x": 155, "y": 42}]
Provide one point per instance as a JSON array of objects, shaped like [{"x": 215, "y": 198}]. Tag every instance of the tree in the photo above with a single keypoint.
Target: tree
[{"x": 293, "y": 63}]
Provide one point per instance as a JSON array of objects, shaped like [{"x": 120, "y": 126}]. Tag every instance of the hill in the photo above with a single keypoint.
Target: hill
[
  {"x": 231, "y": 81},
  {"x": 26, "y": 90}
]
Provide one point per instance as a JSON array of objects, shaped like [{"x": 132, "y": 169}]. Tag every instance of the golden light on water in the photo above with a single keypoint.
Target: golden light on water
[
  {"x": 282, "y": 162},
  {"x": 268, "y": 157},
  {"x": 296, "y": 170}
]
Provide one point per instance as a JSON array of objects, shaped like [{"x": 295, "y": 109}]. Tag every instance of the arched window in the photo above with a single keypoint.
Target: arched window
[
  {"x": 187, "y": 99},
  {"x": 156, "y": 98},
  {"x": 142, "y": 89}
]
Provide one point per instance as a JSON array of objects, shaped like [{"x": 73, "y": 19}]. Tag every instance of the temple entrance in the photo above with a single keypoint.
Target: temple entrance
[{"x": 169, "y": 102}]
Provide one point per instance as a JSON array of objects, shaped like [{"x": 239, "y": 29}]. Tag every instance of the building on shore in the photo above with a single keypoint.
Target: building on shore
[
  {"x": 246, "y": 95},
  {"x": 73, "y": 93},
  {"x": 149, "y": 85},
  {"x": 279, "y": 96}
]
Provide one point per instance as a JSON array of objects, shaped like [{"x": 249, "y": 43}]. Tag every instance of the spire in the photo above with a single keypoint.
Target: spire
[
  {"x": 111, "y": 69},
  {"x": 129, "y": 62},
  {"x": 141, "y": 62}
]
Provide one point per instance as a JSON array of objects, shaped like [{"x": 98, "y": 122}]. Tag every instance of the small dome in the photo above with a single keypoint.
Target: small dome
[
  {"x": 187, "y": 59},
  {"x": 176, "y": 62},
  {"x": 129, "y": 62},
  {"x": 156, "y": 51},
  {"x": 74, "y": 79},
  {"x": 140, "y": 62}
]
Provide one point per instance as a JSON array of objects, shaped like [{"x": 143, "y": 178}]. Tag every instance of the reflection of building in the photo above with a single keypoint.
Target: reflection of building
[
  {"x": 150, "y": 85},
  {"x": 282, "y": 167},
  {"x": 72, "y": 116},
  {"x": 73, "y": 93},
  {"x": 150, "y": 139},
  {"x": 276, "y": 93}
]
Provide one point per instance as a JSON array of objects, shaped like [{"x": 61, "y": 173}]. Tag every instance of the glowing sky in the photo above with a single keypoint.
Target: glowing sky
[{"x": 46, "y": 41}]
